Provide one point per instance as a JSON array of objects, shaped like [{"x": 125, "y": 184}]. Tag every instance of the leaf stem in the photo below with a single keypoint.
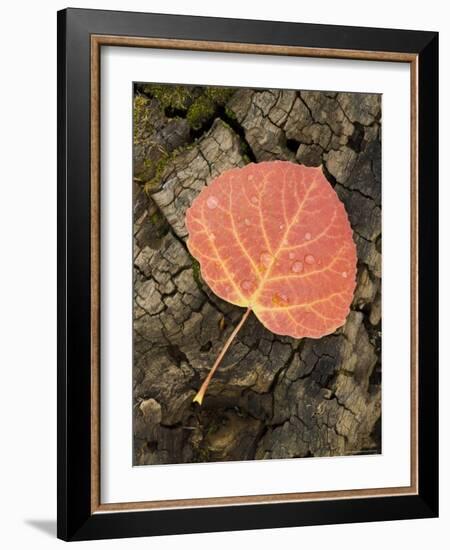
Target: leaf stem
[{"x": 201, "y": 392}]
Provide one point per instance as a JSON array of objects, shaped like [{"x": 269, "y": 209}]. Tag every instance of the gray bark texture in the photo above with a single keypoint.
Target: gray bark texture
[{"x": 272, "y": 396}]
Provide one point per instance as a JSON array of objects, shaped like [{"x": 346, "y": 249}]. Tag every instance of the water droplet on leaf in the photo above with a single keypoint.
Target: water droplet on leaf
[
  {"x": 344, "y": 274},
  {"x": 297, "y": 267},
  {"x": 308, "y": 236},
  {"x": 254, "y": 200},
  {"x": 280, "y": 299},
  {"x": 309, "y": 259},
  {"x": 265, "y": 259},
  {"x": 247, "y": 222},
  {"x": 212, "y": 202},
  {"x": 247, "y": 285}
]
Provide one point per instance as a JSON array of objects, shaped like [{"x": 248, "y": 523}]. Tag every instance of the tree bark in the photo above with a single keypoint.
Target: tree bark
[{"x": 272, "y": 397}]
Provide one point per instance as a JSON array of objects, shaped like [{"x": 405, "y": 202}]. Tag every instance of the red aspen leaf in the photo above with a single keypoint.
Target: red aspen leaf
[{"x": 275, "y": 238}]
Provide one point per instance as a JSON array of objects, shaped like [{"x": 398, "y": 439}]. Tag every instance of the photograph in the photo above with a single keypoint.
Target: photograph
[
  {"x": 226, "y": 329},
  {"x": 257, "y": 321}
]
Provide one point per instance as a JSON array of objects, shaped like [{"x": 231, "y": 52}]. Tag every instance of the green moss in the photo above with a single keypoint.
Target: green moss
[
  {"x": 219, "y": 95},
  {"x": 160, "y": 226},
  {"x": 196, "y": 272},
  {"x": 140, "y": 102},
  {"x": 169, "y": 96},
  {"x": 159, "y": 166},
  {"x": 199, "y": 104},
  {"x": 200, "y": 112},
  {"x": 204, "y": 107},
  {"x": 230, "y": 114},
  {"x": 140, "y": 115},
  {"x": 245, "y": 152},
  {"x": 156, "y": 218}
]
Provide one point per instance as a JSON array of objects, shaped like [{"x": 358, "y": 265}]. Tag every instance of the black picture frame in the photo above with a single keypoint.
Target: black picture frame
[{"x": 76, "y": 521}]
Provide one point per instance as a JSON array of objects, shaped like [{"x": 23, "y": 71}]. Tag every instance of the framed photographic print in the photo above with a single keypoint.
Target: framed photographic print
[{"x": 247, "y": 274}]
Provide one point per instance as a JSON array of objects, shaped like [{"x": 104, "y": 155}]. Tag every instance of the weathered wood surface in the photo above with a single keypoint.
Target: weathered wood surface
[{"x": 272, "y": 397}]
